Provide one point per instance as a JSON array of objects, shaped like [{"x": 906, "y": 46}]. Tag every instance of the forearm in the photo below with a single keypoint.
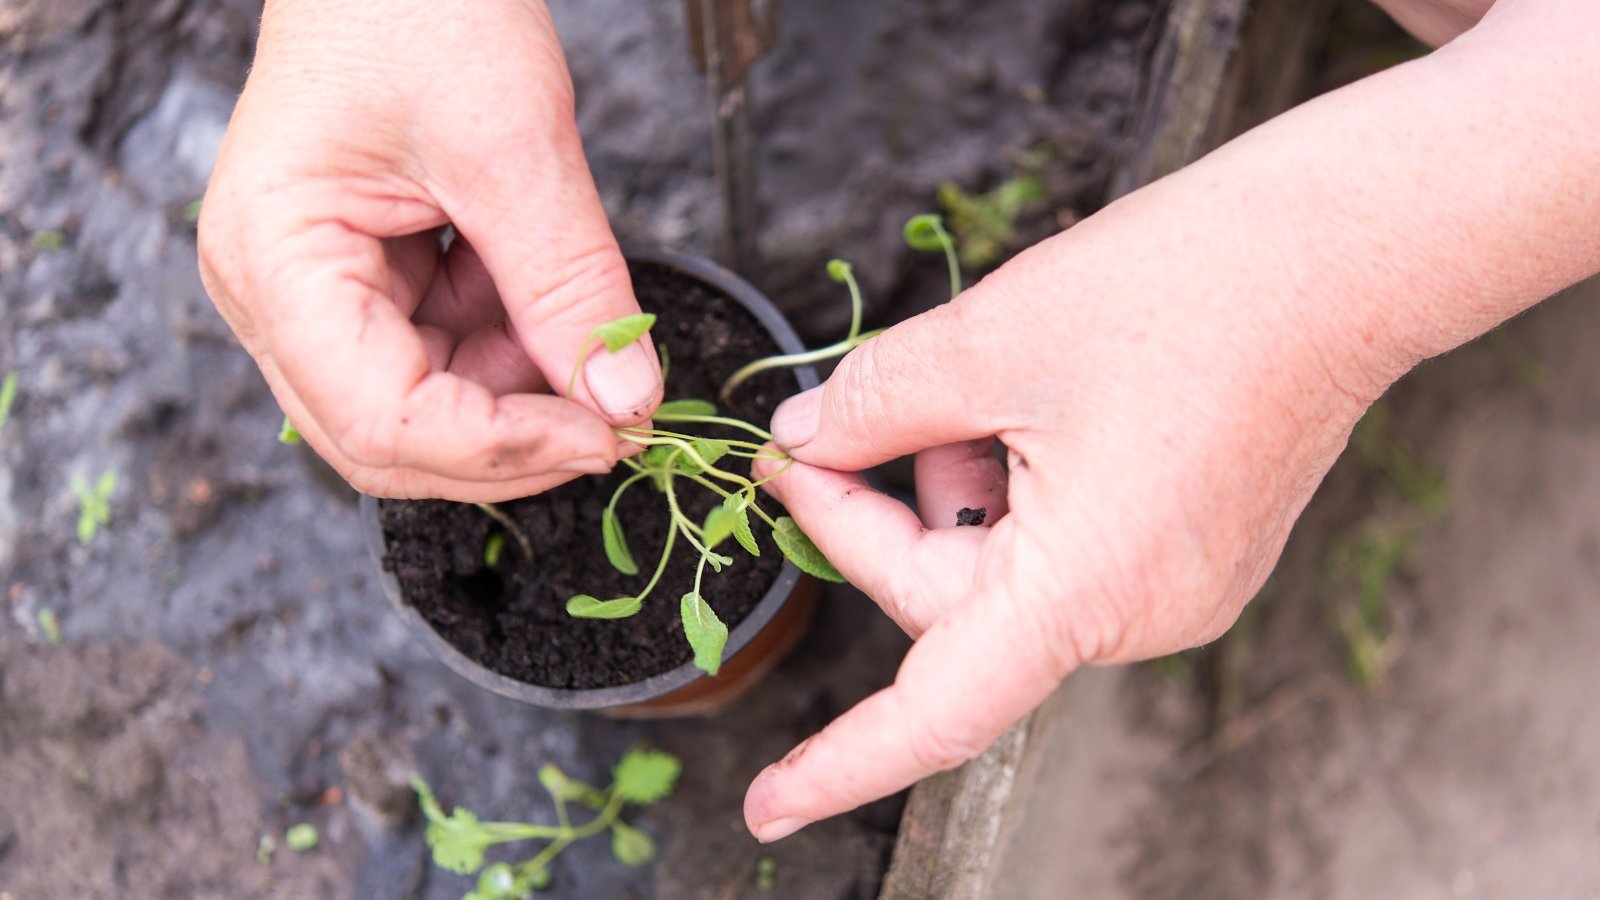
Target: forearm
[{"x": 1406, "y": 214}]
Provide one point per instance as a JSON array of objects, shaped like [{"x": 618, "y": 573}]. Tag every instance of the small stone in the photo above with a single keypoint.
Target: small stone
[{"x": 968, "y": 516}]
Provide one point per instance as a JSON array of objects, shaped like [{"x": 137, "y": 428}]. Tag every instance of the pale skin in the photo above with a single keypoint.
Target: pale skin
[{"x": 1172, "y": 377}]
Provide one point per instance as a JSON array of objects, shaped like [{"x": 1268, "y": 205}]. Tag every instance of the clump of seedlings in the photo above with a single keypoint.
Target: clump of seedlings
[
  {"x": 675, "y": 460},
  {"x": 459, "y": 841},
  {"x": 94, "y": 504}
]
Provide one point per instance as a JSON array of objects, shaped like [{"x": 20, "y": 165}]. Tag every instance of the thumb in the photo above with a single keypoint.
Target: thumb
[
  {"x": 536, "y": 220},
  {"x": 923, "y": 383}
]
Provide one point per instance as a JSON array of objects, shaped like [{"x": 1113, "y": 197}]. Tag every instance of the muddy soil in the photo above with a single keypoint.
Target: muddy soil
[{"x": 228, "y": 666}]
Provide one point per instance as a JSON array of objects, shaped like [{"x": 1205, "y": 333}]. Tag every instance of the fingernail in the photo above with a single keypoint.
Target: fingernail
[
  {"x": 796, "y": 421},
  {"x": 779, "y": 829},
  {"x": 589, "y": 465},
  {"x": 624, "y": 382}
]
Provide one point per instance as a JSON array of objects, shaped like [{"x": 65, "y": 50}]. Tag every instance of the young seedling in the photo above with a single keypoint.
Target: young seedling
[
  {"x": 506, "y": 522},
  {"x": 49, "y": 626},
  {"x": 8, "y": 396},
  {"x": 841, "y": 272},
  {"x": 459, "y": 840},
  {"x": 94, "y": 504},
  {"x": 985, "y": 224},
  {"x": 48, "y": 240},
  {"x": 288, "y": 435}
]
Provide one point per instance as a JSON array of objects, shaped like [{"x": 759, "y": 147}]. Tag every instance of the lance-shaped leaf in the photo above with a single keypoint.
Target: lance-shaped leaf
[
  {"x": 802, "y": 552},
  {"x": 719, "y": 526},
  {"x": 706, "y": 633},
  {"x": 616, "y": 543},
  {"x": 584, "y": 606},
  {"x": 708, "y": 449},
  {"x": 676, "y": 408},
  {"x": 739, "y": 506}
]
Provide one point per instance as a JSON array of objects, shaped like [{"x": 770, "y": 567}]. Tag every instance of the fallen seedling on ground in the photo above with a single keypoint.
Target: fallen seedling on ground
[{"x": 459, "y": 840}]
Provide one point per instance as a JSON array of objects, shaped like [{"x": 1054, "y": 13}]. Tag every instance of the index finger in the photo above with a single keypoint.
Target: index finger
[{"x": 970, "y": 677}]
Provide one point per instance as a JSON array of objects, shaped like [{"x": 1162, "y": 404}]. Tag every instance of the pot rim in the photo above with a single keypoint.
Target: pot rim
[{"x": 747, "y": 296}]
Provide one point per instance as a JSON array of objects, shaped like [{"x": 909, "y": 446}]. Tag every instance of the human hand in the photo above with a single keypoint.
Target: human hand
[
  {"x": 364, "y": 128},
  {"x": 1164, "y": 431}
]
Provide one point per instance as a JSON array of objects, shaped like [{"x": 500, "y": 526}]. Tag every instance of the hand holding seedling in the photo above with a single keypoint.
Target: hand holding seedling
[
  {"x": 1172, "y": 378},
  {"x": 364, "y": 128}
]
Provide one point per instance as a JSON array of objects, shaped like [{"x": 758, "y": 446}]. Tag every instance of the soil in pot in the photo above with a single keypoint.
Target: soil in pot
[{"x": 512, "y": 618}]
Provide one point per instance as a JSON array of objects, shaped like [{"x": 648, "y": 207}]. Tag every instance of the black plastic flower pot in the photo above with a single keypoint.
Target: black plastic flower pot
[{"x": 755, "y": 643}]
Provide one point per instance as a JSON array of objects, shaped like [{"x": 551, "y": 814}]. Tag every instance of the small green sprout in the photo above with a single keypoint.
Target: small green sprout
[
  {"x": 985, "y": 224},
  {"x": 493, "y": 548},
  {"x": 94, "y": 504},
  {"x": 266, "y": 848},
  {"x": 49, "y": 625},
  {"x": 48, "y": 240},
  {"x": 671, "y": 461},
  {"x": 921, "y": 232},
  {"x": 842, "y": 273},
  {"x": 8, "y": 396},
  {"x": 191, "y": 211},
  {"x": 288, "y": 435},
  {"x": 766, "y": 874},
  {"x": 615, "y": 335},
  {"x": 301, "y": 837},
  {"x": 506, "y": 522},
  {"x": 459, "y": 841}
]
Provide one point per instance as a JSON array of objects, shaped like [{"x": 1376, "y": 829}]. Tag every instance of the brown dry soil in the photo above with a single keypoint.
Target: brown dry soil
[{"x": 512, "y": 618}]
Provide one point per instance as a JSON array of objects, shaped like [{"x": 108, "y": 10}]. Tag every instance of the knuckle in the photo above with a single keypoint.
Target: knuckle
[
  {"x": 853, "y": 403},
  {"x": 568, "y": 286}
]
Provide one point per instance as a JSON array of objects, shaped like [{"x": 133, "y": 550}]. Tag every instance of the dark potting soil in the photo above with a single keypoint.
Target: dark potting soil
[{"x": 513, "y": 618}]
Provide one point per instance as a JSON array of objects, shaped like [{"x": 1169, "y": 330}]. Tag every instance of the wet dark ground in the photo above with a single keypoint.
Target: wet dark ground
[{"x": 228, "y": 665}]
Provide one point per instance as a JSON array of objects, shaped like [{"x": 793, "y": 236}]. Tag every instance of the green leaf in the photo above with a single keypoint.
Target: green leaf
[
  {"x": 840, "y": 271},
  {"x": 191, "y": 211},
  {"x": 88, "y": 525},
  {"x": 616, "y": 544},
  {"x": 8, "y": 396},
  {"x": 288, "y": 434},
  {"x": 926, "y": 232},
  {"x": 720, "y": 523},
  {"x": 644, "y": 776},
  {"x": 802, "y": 552},
  {"x": 584, "y": 606},
  {"x": 106, "y": 486},
  {"x": 631, "y": 846},
  {"x": 48, "y": 240},
  {"x": 301, "y": 837},
  {"x": 493, "y": 548},
  {"x": 706, "y": 633},
  {"x": 709, "y": 449},
  {"x": 656, "y": 457},
  {"x": 457, "y": 840},
  {"x": 563, "y": 788},
  {"x": 498, "y": 881},
  {"x": 50, "y": 625},
  {"x": 674, "y": 408},
  {"x": 624, "y": 331},
  {"x": 741, "y": 524}
]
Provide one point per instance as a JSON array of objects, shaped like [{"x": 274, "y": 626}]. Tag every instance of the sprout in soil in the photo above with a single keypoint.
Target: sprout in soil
[
  {"x": 289, "y": 435},
  {"x": 301, "y": 838},
  {"x": 8, "y": 396},
  {"x": 458, "y": 841},
  {"x": 94, "y": 504},
  {"x": 672, "y": 461}
]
